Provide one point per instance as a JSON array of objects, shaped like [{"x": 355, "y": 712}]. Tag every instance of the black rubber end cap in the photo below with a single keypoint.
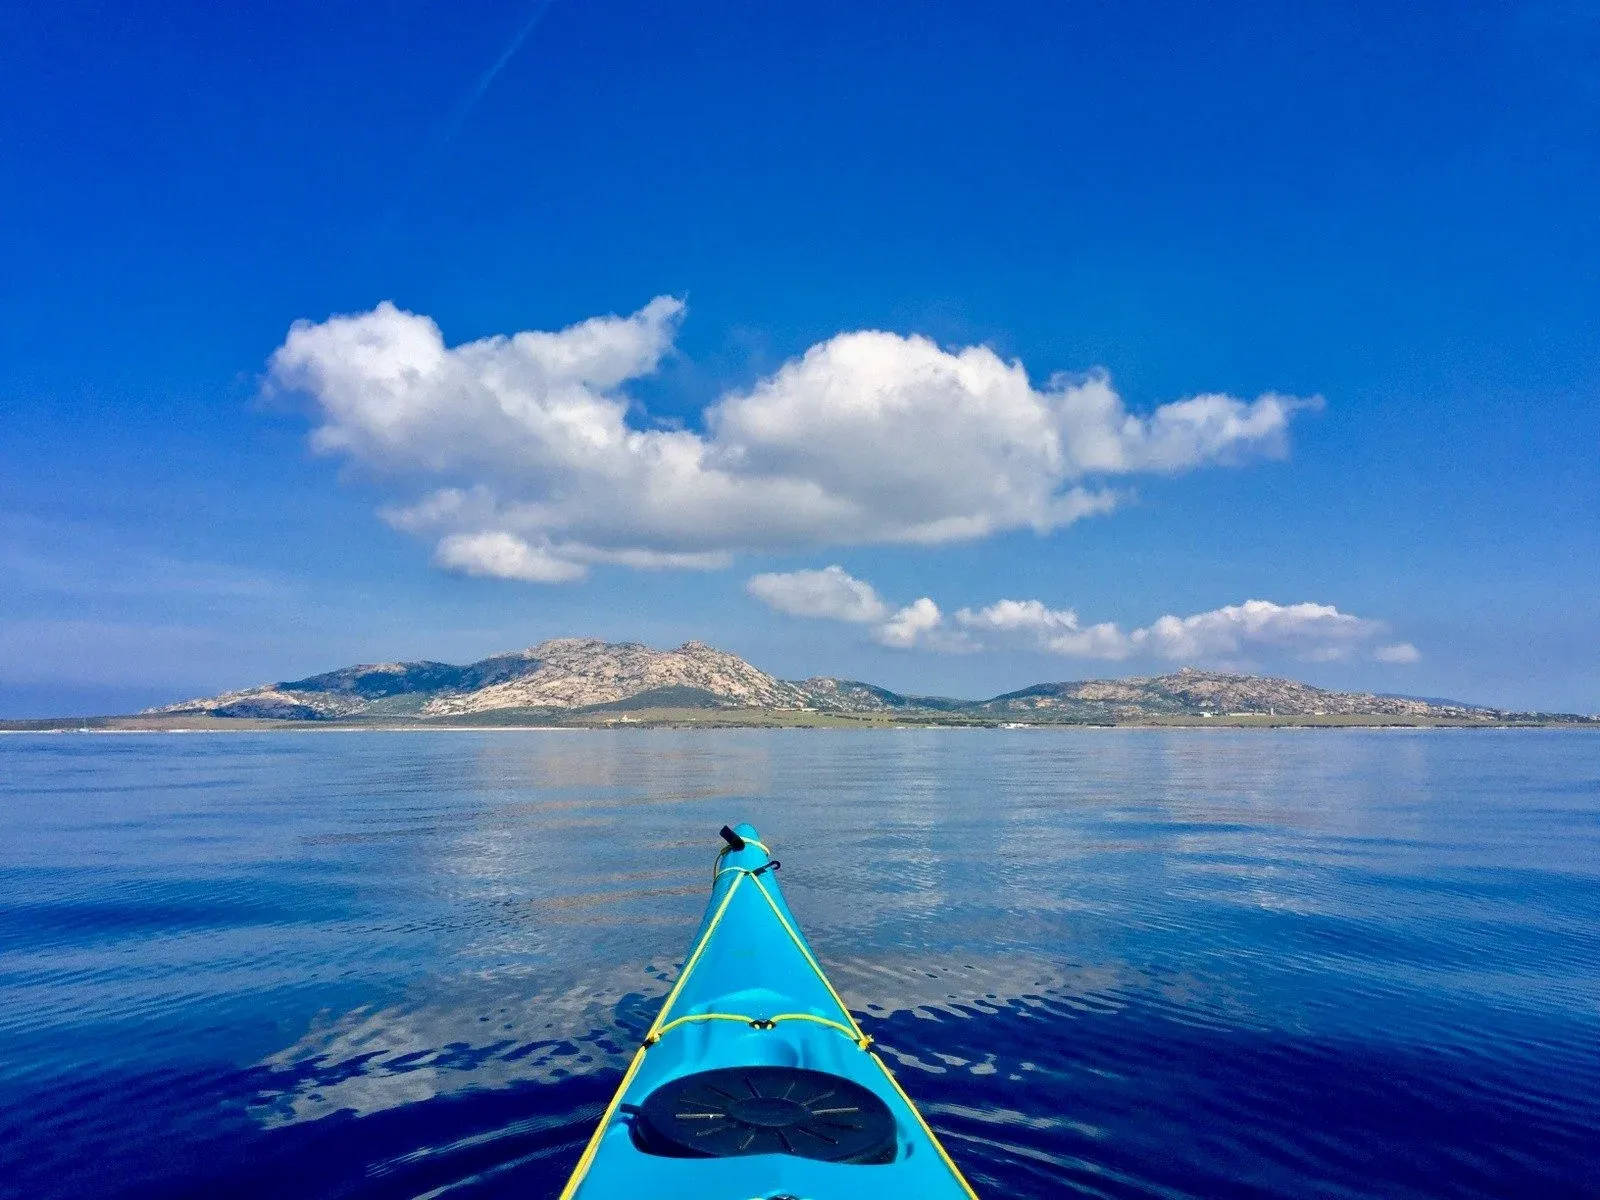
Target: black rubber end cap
[{"x": 734, "y": 841}]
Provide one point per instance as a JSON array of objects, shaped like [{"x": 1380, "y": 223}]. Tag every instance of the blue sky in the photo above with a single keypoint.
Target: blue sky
[{"x": 955, "y": 218}]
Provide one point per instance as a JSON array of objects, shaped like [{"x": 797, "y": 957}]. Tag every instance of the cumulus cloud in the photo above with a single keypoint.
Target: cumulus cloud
[
  {"x": 1399, "y": 652},
  {"x": 504, "y": 556},
  {"x": 1055, "y": 630},
  {"x": 1318, "y": 632},
  {"x": 865, "y": 438},
  {"x": 831, "y": 593},
  {"x": 911, "y": 625},
  {"x": 1310, "y": 632}
]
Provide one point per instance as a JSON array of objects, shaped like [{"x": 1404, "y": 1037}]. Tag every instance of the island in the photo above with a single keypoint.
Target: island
[{"x": 586, "y": 682}]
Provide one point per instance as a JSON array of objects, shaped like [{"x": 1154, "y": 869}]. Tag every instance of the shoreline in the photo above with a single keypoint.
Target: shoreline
[{"x": 746, "y": 719}]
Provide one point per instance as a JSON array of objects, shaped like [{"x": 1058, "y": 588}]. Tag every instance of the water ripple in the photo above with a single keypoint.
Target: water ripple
[{"x": 1108, "y": 963}]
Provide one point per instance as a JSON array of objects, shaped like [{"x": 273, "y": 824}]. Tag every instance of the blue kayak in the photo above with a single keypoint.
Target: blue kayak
[{"x": 755, "y": 1082}]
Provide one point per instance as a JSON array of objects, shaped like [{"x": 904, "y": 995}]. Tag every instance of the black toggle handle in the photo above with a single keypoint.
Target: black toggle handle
[{"x": 734, "y": 841}]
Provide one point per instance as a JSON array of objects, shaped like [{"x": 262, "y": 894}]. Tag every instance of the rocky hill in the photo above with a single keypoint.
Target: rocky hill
[
  {"x": 1192, "y": 693},
  {"x": 564, "y": 674},
  {"x": 584, "y": 675}
]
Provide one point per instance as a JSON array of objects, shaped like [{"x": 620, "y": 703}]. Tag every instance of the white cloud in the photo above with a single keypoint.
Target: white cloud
[
  {"x": 831, "y": 593},
  {"x": 1400, "y": 652},
  {"x": 866, "y": 438},
  {"x": 1310, "y": 632},
  {"x": 1056, "y": 630},
  {"x": 504, "y": 556},
  {"x": 915, "y": 623},
  {"x": 1318, "y": 632}
]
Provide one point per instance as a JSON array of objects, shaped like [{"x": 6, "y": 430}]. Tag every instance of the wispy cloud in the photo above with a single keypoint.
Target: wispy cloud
[
  {"x": 523, "y": 444},
  {"x": 1399, "y": 652},
  {"x": 75, "y": 650},
  {"x": 1306, "y": 631},
  {"x": 68, "y": 560}
]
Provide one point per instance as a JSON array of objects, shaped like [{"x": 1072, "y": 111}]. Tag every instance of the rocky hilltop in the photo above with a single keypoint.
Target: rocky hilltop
[
  {"x": 1192, "y": 693},
  {"x": 563, "y": 674},
  {"x": 571, "y": 677}
]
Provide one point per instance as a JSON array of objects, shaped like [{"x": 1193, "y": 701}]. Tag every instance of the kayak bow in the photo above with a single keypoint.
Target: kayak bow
[{"x": 754, "y": 1080}]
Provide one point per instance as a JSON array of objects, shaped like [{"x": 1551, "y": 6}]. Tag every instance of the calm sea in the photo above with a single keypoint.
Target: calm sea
[{"x": 1107, "y": 963}]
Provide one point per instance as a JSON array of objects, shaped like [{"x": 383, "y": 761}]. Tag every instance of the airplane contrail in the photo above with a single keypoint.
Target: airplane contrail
[
  {"x": 405, "y": 187},
  {"x": 486, "y": 80}
]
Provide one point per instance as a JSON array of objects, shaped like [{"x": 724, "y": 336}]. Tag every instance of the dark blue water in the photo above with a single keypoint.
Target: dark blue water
[{"x": 1108, "y": 963}]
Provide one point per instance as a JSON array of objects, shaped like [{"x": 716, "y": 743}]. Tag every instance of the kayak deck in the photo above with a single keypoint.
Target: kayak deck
[{"x": 754, "y": 1082}]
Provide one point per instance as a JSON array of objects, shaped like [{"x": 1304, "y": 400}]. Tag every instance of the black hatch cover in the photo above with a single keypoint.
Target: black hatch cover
[{"x": 766, "y": 1110}]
